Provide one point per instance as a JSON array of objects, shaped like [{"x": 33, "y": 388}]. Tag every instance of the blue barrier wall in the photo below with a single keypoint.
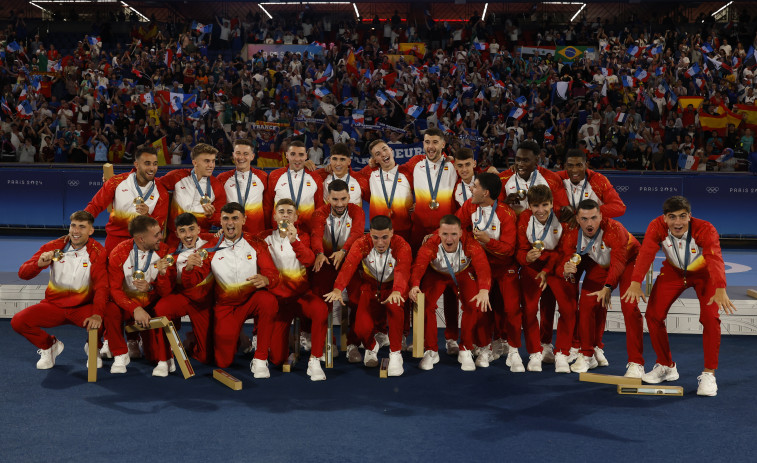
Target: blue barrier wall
[{"x": 45, "y": 197}]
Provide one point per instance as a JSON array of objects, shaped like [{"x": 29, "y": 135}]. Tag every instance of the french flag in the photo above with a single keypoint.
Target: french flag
[
  {"x": 641, "y": 74},
  {"x": 414, "y": 111},
  {"x": 6, "y": 109},
  {"x": 480, "y": 96},
  {"x": 202, "y": 29},
  {"x": 659, "y": 71},
  {"x": 381, "y": 97},
  {"x": 517, "y": 113},
  {"x": 205, "y": 108},
  {"x": 499, "y": 83},
  {"x": 178, "y": 49},
  {"x": 458, "y": 120},
  {"x": 391, "y": 92},
  {"x": 168, "y": 59},
  {"x": 13, "y": 47},
  {"x": 627, "y": 81},
  {"x": 656, "y": 50},
  {"x": 481, "y": 46},
  {"x": 358, "y": 117},
  {"x": 548, "y": 135},
  {"x": 367, "y": 74},
  {"x": 634, "y": 50},
  {"x": 621, "y": 118},
  {"x": 94, "y": 41},
  {"x": 672, "y": 100},
  {"x": 606, "y": 72},
  {"x": 726, "y": 155},
  {"x": 452, "y": 70},
  {"x": 25, "y": 110},
  {"x": 693, "y": 70},
  {"x": 432, "y": 107},
  {"x": 347, "y": 101},
  {"x": 327, "y": 74},
  {"x": 320, "y": 92},
  {"x": 707, "y": 48},
  {"x": 521, "y": 100},
  {"x": 453, "y": 106}
]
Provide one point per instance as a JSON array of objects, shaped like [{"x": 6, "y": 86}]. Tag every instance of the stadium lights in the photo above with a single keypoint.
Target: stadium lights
[
  {"x": 74, "y": 1},
  {"x": 357, "y": 13},
  {"x": 46, "y": 11},
  {"x": 305, "y": 3},
  {"x": 564, "y": 3},
  {"x": 483, "y": 16},
  {"x": 265, "y": 11},
  {"x": 722, "y": 8},
  {"x": 135, "y": 11},
  {"x": 583, "y": 5}
]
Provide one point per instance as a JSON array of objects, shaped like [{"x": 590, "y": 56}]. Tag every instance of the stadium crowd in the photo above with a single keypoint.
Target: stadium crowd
[{"x": 635, "y": 100}]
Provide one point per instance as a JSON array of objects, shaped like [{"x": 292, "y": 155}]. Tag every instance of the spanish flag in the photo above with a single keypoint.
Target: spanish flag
[
  {"x": 162, "y": 148},
  {"x": 733, "y": 117},
  {"x": 685, "y": 101},
  {"x": 350, "y": 64},
  {"x": 717, "y": 123},
  {"x": 748, "y": 111},
  {"x": 271, "y": 159}
]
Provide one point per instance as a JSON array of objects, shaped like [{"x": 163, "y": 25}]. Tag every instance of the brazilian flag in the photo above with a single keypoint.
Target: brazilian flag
[{"x": 569, "y": 53}]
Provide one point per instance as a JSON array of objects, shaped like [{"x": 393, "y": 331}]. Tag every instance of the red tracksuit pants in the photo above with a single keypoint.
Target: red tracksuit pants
[
  {"x": 323, "y": 282},
  {"x": 667, "y": 288},
  {"x": 506, "y": 316},
  {"x": 228, "y": 321},
  {"x": 308, "y": 305},
  {"x": 433, "y": 286},
  {"x": 371, "y": 313},
  {"x": 113, "y": 321},
  {"x": 30, "y": 321},
  {"x": 531, "y": 293},
  {"x": 176, "y": 306}
]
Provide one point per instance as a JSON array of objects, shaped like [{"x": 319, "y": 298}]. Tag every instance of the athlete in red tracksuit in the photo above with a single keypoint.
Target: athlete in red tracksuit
[
  {"x": 608, "y": 253},
  {"x": 580, "y": 183},
  {"x": 249, "y": 187},
  {"x": 384, "y": 259},
  {"x": 137, "y": 279},
  {"x": 339, "y": 169},
  {"x": 195, "y": 191},
  {"x": 131, "y": 194},
  {"x": 448, "y": 253},
  {"x": 290, "y": 250},
  {"x": 76, "y": 293},
  {"x": 493, "y": 225},
  {"x": 346, "y": 221},
  {"x": 192, "y": 300},
  {"x": 539, "y": 234},
  {"x": 297, "y": 184},
  {"x": 244, "y": 273},
  {"x": 692, "y": 259}
]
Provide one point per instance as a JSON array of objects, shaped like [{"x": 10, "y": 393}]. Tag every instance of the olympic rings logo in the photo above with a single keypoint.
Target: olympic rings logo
[
  {"x": 73, "y": 183},
  {"x": 712, "y": 189},
  {"x": 622, "y": 188}
]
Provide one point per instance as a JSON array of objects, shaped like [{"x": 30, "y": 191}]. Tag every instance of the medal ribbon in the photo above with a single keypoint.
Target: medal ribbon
[
  {"x": 139, "y": 190},
  {"x": 136, "y": 259},
  {"x": 291, "y": 188},
  {"x": 242, "y": 200},
  {"x": 389, "y": 200},
  {"x": 481, "y": 217},
  {"x": 199, "y": 188},
  {"x": 546, "y": 228},
  {"x": 434, "y": 190}
]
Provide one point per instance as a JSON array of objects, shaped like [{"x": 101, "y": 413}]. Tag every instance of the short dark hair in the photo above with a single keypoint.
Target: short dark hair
[
  {"x": 575, "y": 153},
  {"x": 491, "y": 183},
  {"x": 538, "y": 194},
  {"x": 341, "y": 149},
  {"x": 82, "y": 216},
  {"x": 676, "y": 203},
  {"x": 184, "y": 219},
  {"x": 145, "y": 149},
  {"x": 203, "y": 148},
  {"x": 450, "y": 219},
  {"x": 230, "y": 208},
  {"x": 587, "y": 205},
  {"x": 296, "y": 144},
  {"x": 463, "y": 154},
  {"x": 140, "y": 224},
  {"x": 434, "y": 132},
  {"x": 338, "y": 185},
  {"x": 381, "y": 222},
  {"x": 243, "y": 142},
  {"x": 531, "y": 146}
]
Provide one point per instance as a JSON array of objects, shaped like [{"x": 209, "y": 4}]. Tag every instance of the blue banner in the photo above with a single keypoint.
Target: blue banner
[
  {"x": 280, "y": 50},
  {"x": 402, "y": 153}
]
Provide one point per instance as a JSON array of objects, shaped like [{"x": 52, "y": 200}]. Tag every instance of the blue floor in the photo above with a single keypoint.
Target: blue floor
[{"x": 440, "y": 415}]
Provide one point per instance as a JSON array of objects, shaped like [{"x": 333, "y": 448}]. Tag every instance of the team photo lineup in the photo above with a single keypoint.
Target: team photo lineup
[{"x": 505, "y": 251}]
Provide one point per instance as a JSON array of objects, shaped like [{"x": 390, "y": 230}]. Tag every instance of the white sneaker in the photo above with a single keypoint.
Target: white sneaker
[
  {"x": 119, "y": 363},
  {"x": 634, "y": 370},
  {"x": 514, "y": 361},
  {"x": 484, "y": 357},
  {"x": 583, "y": 364},
  {"x": 452, "y": 347},
  {"x": 370, "y": 359},
  {"x": 382, "y": 339},
  {"x": 661, "y": 373},
  {"x": 465, "y": 357},
  {"x": 573, "y": 354},
  {"x": 534, "y": 361},
  {"x": 707, "y": 384},
  {"x": 305, "y": 341},
  {"x": 47, "y": 356},
  {"x": 161, "y": 369},
  {"x": 353, "y": 354},
  {"x": 499, "y": 347},
  {"x": 561, "y": 363},
  {"x": 105, "y": 350},
  {"x": 99, "y": 359},
  {"x": 547, "y": 353},
  {"x": 430, "y": 358},
  {"x": 395, "y": 364},
  {"x": 599, "y": 354},
  {"x": 259, "y": 369},
  {"x": 315, "y": 371},
  {"x": 135, "y": 351}
]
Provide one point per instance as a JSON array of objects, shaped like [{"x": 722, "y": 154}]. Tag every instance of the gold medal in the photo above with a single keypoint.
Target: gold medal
[
  {"x": 57, "y": 255},
  {"x": 434, "y": 205},
  {"x": 378, "y": 296},
  {"x": 139, "y": 275},
  {"x": 521, "y": 194},
  {"x": 205, "y": 200},
  {"x": 576, "y": 259},
  {"x": 138, "y": 200},
  {"x": 170, "y": 260},
  {"x": 539, "y": 245},
  {"x": 203, "y": 253},
  {"x": 283, "y": 225}
]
